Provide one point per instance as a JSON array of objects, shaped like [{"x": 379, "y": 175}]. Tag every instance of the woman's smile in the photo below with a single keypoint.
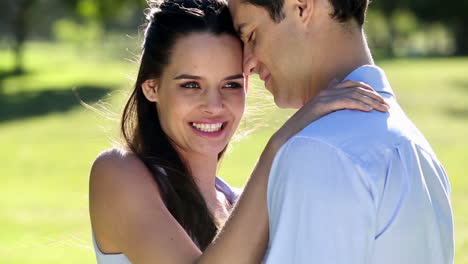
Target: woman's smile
[{"x": 210, "y": 129}]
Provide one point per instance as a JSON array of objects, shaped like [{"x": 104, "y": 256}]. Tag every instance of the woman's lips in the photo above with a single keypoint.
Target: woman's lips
[{"x": 211, "y": 128}]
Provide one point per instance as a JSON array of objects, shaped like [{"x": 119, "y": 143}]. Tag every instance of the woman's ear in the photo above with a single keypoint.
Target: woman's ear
[{"x": 150, "y": 90}]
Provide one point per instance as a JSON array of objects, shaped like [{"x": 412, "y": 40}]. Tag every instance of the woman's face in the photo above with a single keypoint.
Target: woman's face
[{"x": 201, "y": 95}]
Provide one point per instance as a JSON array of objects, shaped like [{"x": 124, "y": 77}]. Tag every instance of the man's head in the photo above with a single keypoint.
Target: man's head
[
  {"x": 291, "y": 43},
  {"x": 343, "y": 10}
]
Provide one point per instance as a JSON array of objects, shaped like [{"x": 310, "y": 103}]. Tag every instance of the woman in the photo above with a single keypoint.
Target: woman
[{"x": 159, "y": 200}]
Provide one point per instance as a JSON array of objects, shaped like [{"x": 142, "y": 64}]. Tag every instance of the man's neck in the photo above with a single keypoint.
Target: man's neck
[{"x": 345, "y": 53}]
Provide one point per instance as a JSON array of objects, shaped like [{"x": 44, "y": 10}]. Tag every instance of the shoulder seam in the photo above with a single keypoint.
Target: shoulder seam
[
  {"x": 337, "y": 149},
  {"x": 358, "y": 163}
]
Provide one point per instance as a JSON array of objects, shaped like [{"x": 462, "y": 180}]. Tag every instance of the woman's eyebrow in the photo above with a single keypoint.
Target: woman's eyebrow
[
  {"x": 195, "y": 77},
  {"x": 234, "y": 77},
  {"x": 187, "y": 76}
]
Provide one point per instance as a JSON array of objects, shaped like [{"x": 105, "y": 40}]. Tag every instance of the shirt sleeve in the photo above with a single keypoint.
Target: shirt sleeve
[{"x": 321, "y": 208}]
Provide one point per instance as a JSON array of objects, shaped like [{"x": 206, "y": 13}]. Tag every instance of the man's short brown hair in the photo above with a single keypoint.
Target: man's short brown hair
[{"x": 344, "y": 9}]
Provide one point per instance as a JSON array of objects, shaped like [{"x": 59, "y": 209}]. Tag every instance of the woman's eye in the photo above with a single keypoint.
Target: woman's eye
[
  {"x": 233, "y": 85},
  {"x": 190, "y": 85}
]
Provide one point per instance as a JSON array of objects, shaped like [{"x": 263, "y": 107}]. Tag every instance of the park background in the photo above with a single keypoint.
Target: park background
[{"x": 54, "y": 53}]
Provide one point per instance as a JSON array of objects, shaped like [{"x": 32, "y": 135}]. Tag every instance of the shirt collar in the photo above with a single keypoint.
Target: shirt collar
[{"x": 373, "y": 76}]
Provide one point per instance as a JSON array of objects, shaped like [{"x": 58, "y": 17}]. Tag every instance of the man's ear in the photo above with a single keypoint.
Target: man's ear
[
  {"x": 150, "y": 90},
  {"x": 303, "y": 9}
]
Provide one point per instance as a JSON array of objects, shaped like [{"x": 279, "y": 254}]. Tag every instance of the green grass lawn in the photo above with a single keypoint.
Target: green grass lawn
[{"x": 48, "y": 141}]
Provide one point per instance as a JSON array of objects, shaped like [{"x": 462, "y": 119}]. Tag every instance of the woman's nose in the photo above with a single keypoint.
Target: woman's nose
[{"x": 213, "y": 102}]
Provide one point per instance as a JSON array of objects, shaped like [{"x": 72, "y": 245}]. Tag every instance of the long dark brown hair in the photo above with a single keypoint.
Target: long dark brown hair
[{"x": 167, "y": 21}]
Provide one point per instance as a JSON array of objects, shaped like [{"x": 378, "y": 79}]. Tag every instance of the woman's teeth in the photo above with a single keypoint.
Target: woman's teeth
[{"x": 208, "y": 127}]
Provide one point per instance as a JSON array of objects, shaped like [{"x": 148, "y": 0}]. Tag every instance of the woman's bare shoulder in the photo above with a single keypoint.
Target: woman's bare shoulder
[
  {"x": 128, "y": 214},
  {"x": 116, "y": 157},
  {"x": 119, "y": 182},
  {"x": 118, "y": 165},
  {"x": 118, "y": 170}
]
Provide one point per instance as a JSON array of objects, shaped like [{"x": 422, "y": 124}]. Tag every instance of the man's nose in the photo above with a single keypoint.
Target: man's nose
[{"x": 250, "y": 60}]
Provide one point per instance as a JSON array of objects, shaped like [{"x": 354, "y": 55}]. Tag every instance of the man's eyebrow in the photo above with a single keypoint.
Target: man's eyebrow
[
  {"x": 187, "y": 76},
  {"x": 234, "y": 77},
  {"x": 240, "y": 28}
]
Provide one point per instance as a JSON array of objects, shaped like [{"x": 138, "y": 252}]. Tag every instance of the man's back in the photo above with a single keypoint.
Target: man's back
[{"x": 357, "y": 187}]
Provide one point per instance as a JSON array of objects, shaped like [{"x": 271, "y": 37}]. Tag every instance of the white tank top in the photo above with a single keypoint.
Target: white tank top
[{"x": 232, "y": 194}]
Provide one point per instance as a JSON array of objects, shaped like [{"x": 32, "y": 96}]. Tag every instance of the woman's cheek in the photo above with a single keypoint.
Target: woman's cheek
[{"x": 238, "y": 104}]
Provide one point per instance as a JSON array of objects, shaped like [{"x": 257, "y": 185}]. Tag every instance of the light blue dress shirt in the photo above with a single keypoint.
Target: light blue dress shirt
[{"x": 357, "y": 188}]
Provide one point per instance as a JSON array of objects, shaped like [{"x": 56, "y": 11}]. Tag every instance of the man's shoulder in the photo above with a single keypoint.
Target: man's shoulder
[
  {"x": 363, "y": 134},
  {"x": 345, "y": 128}
]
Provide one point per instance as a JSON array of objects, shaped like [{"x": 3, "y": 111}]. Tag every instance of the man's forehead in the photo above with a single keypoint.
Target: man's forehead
[
  {"x": 234, "y": 9},
  {"x": 239, "y": 11},
  {"x": 233, "y": 4}
]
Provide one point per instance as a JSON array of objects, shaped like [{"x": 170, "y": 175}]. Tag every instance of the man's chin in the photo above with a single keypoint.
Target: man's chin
[
  {"x": 284, "y": 104},
  {"x": 281, "y": 103}
]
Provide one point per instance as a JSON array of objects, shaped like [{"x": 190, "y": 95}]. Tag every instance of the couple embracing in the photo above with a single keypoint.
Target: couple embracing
[{"x": 347, "y": 179}]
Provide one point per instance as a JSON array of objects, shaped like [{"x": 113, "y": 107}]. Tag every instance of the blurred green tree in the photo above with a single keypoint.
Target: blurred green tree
[
  {"x": 388, "y": 8},
  {"x": 17, "y": 14},
  {"x": 452, "y": 13},
  {"x": 106, "y": 12}
]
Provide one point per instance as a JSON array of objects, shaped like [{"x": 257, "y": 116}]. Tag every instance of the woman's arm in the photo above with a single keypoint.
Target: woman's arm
[{"x": 245, "y": 235}]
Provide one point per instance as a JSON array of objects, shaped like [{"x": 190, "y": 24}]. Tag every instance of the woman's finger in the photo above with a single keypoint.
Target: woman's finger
[
  {"x": 333, "y": 83},
  {"x": 377, "y": 105},
  {"x": 344, "y": 92},
  {"x": 351, "y": 104},
  {"x": 372, "y": 94},
  {"x": 351, "y": 84}
]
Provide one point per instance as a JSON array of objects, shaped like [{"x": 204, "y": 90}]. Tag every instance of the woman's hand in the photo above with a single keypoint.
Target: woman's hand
[{"x": 346, "y": 95}]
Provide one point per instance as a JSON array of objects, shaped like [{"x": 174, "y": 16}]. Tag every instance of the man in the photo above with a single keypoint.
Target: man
[{"x": 352, "y": 187}]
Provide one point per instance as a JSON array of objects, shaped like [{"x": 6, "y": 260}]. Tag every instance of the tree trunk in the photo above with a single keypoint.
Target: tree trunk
[
  {"x": 20, "y": 37},
  {"x": 389, "y": 48},
  {"x": 20, "y": 23},
  {"x": 461, "y": 39}
]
